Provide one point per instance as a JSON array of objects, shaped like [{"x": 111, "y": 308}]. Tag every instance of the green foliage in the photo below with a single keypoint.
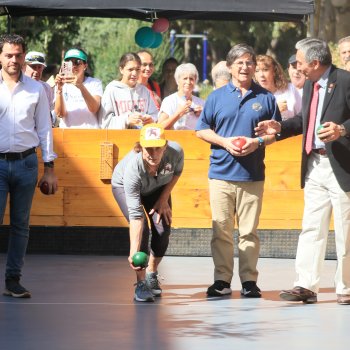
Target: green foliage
[
  {"x": 47, "y": 34},
  {"x": 205, "y": 89},
  {"x": 335, "y": 54},
  {"x": 3, "y": 24}
]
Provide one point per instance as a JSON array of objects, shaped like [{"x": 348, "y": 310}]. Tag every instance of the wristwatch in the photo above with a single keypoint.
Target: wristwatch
[
  {"x": 49, "y": 164},
  {"x": 342, "y": 130}
]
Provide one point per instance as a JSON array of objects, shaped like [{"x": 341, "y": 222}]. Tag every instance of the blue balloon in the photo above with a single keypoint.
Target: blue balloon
[
  {"x": 144, "y": 36},
  {"x": 157, "y": 40}
]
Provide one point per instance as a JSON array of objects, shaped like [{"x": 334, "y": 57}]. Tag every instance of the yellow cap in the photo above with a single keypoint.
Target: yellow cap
[{"x": 152, "y": 135}]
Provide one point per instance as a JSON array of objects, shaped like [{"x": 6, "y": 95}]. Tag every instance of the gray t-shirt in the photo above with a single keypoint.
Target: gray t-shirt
[{"x": 131, "y": 174}]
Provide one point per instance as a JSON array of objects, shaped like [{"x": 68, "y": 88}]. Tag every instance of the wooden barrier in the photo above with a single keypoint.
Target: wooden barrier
[{"x": 84, "y": 199}]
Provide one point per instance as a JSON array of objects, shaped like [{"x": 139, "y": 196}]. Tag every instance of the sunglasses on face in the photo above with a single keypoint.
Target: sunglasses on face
[{"x": 75, "y": 62}]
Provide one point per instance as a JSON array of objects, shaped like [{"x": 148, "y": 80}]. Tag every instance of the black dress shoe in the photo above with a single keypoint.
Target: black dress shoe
[
  {"x": 343, "y": 299},
  {"x": 299, "y": 294}
]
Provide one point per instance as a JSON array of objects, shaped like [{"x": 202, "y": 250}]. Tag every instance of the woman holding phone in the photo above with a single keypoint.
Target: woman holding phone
[
  {"x": 126, "y": 104},
  {"x": 181, "y": 109},
  {"x": 77, "y": 96}
]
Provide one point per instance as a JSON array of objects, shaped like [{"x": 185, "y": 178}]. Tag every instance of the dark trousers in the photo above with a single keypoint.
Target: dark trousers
[{"x": 160, "y": 232}]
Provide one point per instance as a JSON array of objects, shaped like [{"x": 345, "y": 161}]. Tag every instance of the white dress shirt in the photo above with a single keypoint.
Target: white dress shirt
[{"x": 25, "y": 120}]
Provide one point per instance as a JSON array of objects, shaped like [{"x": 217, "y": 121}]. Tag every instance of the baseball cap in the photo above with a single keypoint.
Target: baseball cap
[
  {"x": 75, "y": 53},
  {"x": 152, "y": 135},
  {"x": 35, "y": 57},
  {"x": 292, "y": 59}
]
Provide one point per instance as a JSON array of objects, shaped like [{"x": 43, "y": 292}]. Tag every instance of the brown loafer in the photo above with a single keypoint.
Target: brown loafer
[
  {"x": 299, "y": 294},
  {"x": 343, "y": 299}
]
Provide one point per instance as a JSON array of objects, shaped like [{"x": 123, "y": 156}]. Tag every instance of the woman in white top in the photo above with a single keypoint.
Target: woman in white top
[
  {"x": 269, "y": 74},
  {"x": 77, "y": 96},
  {"x": 181, "y": 110},
  {"x": 126, "y": 104}
]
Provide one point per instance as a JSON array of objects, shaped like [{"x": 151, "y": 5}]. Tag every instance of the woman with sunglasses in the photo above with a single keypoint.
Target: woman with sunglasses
[
  {"x": 126, "y": 104},
  {"x": 77, "y": 95}
]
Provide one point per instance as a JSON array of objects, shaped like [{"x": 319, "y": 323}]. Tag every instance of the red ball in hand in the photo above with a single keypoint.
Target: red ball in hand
[
  {"x": 239, "y": 143},
  {"x": 45, "y": 188}
]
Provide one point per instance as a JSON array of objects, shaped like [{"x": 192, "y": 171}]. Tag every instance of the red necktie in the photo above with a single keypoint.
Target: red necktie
[{"x": 312, "y": 119}]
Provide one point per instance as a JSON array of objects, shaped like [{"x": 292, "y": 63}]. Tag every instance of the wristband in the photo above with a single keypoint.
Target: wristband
[{"x": 261, "y": 142}]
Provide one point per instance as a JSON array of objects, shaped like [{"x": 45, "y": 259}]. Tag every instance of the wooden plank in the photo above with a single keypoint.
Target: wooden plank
[
  {"x": 98, "y": 202},
  {"x": 282, "y": 175},
  {"x": 288, "y": 149},
  {"x": 44, "y": 205},
  {"x": 78, "y": 172},
  {"x": 84, "y": 199}
]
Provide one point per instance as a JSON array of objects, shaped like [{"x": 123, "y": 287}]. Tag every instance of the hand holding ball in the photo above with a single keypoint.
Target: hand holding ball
[
  {"x": 319, "y": 128},
  {"x": 140, "y": 259},
  {"x": 45, "y": 188},
  {"x": 239, "y": 142}
]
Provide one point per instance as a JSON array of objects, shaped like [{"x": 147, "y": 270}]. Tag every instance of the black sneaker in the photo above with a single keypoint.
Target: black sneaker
[
  {"x": 219, "y": 289},
  {"x": 14, "y": 288},
  {"x": 250, "y": 290}
]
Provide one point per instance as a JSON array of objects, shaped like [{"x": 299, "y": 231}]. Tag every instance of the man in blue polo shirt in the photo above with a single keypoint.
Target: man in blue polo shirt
[{"x": 237, "y": 172}]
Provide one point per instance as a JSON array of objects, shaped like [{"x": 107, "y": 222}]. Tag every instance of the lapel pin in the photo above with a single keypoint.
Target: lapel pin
[{"x": 330, "y": 87}]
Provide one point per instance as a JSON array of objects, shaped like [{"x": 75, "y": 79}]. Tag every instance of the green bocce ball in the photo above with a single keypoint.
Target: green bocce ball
[
  {"x": 140, "y": 259},
  {"x": 320, "y": 127}
]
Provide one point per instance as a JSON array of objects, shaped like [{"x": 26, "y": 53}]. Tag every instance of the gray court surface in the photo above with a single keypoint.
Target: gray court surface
[{"x": 86, "y": 302}]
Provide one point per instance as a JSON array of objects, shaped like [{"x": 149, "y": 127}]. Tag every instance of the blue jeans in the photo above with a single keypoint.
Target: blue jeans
[{"x": 18, "y": 179}]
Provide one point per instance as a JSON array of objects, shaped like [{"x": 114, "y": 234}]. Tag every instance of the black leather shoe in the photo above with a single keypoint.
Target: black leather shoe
[
  {"x": 299, "y": 294},
  {"x": 343, "y": 299}
]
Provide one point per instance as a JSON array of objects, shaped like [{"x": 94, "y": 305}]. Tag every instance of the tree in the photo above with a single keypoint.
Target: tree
[
  {"x": 45, "y": 34},
  {"x": 331, "y": 20}
]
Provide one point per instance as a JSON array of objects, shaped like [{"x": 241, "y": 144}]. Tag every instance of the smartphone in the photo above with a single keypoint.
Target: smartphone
[
  {"x": 67, "y": 68},
  {"x": 191, "y": 109}
]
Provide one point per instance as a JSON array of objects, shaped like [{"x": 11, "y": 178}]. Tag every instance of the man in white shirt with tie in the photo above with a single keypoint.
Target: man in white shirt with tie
[
  {"x": 325, "y": 169},
  {"x": 25, "y": 124}
]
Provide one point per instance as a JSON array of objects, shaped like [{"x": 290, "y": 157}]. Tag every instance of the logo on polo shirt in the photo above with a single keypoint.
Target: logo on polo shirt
[{"x": 257, "y": 106}]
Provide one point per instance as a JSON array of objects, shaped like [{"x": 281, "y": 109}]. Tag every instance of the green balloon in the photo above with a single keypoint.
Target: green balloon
[
  {"x": 144, "y": 37},
  {"x": 140, "y": 259},
  {"x": 157, "y": 40}
]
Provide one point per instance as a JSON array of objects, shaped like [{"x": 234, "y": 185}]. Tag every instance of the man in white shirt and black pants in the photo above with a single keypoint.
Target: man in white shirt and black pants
[{"x": 25, "y": 124}]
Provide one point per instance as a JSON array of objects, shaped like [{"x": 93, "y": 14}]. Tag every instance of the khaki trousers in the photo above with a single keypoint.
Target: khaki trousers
[{"x": 240, "y": 201}]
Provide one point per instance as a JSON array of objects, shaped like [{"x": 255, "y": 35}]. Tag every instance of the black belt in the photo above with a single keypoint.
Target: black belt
[
  {"x": 17, "y": 155},
  {"x": 320, "y": 151}
]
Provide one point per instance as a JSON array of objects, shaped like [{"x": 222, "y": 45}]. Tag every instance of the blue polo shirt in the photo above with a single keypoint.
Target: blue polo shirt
[{"x": 228, "y": 114}]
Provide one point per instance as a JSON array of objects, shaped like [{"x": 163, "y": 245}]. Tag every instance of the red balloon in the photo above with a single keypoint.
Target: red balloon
[
  {"x": 160, "y": 25},
  {"x": 239, "y": 143}
]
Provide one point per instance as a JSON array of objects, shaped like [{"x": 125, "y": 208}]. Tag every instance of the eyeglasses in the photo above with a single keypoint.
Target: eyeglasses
[
  {"x": 75, "y": 62},
  {"x": 240, "y": 64}
]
